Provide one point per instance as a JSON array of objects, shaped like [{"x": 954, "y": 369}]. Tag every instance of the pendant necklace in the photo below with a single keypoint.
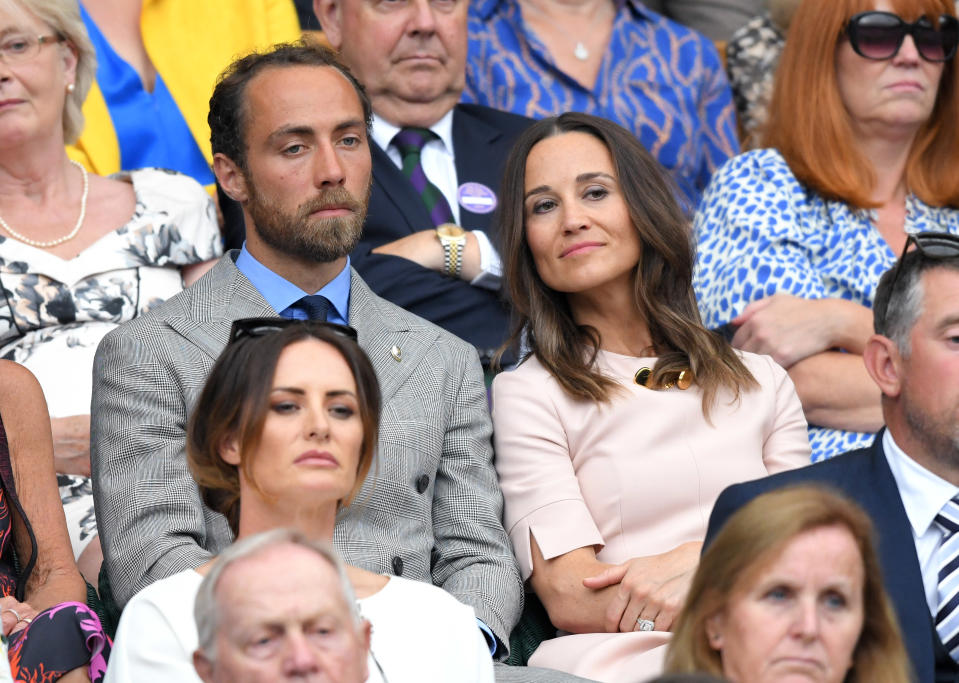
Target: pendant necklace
[
  {"x": 580, "y": 51},
  {"x": 72, "y": 233}
]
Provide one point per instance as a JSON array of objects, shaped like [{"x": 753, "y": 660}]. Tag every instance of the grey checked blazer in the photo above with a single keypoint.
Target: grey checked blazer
[{"x": 430, "y": 511}]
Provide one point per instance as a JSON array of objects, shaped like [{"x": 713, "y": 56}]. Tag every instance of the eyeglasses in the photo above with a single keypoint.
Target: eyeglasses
[
  {"x": 930, "y": 245},
  {"x": 260, "y": 327},
  {"x": 23, "y": 48},
  {"x": 879, "y": 35}
]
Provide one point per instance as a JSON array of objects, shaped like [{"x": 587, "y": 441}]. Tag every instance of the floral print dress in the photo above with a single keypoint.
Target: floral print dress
[{"x": 54, "y": 312}]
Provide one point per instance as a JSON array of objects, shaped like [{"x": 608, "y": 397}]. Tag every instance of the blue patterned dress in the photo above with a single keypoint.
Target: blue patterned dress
[
  {"x": 759, "y": 232},
  {"x": 662, "y": 81}
]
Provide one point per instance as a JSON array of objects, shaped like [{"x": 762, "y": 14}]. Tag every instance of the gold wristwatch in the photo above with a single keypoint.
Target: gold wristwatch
[{"x": 453, "y": 240}]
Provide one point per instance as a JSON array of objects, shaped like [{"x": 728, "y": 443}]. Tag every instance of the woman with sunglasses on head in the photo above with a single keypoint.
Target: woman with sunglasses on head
[
  {"x": 283, "y": 435},
  {"x": 627, "y": 418},
  {"x": 862, "y": 149}
]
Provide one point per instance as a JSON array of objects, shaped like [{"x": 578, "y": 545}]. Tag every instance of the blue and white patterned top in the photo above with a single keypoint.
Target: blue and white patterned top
[
  {"x": 759, "y": 232},
  {"x": 662, "y": 81}
]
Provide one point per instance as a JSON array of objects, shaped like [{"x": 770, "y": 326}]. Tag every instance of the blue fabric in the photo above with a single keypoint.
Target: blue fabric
[
  {"x": 282, "y": 295},
  {"x": 150, "y": 129},
  {"x": 660, "y": 80},
  {"x": 488, "y": 634},
  {"x": 759, "y": 232}
]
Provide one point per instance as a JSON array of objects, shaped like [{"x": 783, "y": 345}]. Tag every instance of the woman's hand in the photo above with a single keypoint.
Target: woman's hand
[
  {"x": 71, "y": 444},
  {"x": 790, "y": 329},
  {"x": 13, "y": 615},
  {"x": 652, "y": 588}
]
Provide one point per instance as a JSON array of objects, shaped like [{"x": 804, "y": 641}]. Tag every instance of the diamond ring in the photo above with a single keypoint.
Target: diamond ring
[{"x": 645, "y": 624}]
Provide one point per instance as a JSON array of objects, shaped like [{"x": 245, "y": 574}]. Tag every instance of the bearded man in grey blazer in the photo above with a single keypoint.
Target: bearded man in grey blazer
[{"x": 289, "y": 133}]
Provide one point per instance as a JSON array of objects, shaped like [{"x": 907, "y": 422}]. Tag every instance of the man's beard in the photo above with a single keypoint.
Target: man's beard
[
  {"x": 940, "y": 437},
  {"x": 321, "y": 240}
]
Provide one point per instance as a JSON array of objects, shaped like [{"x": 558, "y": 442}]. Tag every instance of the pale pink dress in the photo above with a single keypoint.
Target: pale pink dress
[{"x": 634, "y": 477}]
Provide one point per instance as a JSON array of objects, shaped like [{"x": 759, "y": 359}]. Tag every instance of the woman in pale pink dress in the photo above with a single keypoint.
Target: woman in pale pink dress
[{"x": 627, "y": 419}]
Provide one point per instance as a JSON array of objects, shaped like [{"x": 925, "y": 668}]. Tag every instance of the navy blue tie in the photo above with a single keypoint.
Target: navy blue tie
[{"x": 315, "y": 306}]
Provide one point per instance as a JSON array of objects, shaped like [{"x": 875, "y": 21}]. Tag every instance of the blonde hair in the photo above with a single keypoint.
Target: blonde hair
[
  {"x": 749, "y": 541},
  {"x": 63, "y": 16}
]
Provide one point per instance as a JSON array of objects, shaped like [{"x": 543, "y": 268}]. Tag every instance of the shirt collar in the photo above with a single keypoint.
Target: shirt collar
[
  {"x": 923, "y": 493},
  {"x": 485, "y": 8},
  {"x": 384, "y": 131},
  {"x": 281, "y": 293}
]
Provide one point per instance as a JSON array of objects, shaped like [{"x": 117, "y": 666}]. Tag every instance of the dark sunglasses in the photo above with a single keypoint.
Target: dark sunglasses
[
  {"x": 931, "y": 245},
  {"x": 879, "y": 35},
  {"x": 260, "y": 327}
]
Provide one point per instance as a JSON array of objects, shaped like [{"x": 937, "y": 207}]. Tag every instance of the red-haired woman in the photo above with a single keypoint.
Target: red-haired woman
[{"x": 863, "y": 149}]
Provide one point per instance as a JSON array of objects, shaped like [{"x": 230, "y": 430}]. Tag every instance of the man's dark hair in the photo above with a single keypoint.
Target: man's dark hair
[
  {"x": 227, "y": 117},
  {"x": 898, "y": 300}
]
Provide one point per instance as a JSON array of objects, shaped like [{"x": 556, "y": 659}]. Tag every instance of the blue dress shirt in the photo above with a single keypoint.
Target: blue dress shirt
[{"x": 282, "y": 294}]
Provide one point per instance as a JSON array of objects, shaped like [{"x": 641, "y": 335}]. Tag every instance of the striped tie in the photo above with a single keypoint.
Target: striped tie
[
  {"x": 947, "y": 556},
  {"x": 410, "y": 143}
]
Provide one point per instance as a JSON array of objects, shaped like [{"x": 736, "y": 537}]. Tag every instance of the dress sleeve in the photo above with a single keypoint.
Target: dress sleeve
[
  {"x": 756, "y": 235},
  {"x": 147, "y": 647},
  {"x": 786, "y": 444},
  {"x": 541, "y": 493},
  {"x": 175, "y": 222}
]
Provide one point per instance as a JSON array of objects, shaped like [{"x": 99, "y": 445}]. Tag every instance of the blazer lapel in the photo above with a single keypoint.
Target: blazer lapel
[
  {"x": 390, "y": 181},
  {"x": 216, "y": 300},
  {"x": 477, "y": 160},
  {"x": 394, "y": 343},
  {"x": 901, "y": 573}
]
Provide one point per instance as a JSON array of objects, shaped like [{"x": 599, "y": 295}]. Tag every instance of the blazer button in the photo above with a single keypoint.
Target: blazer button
[
  {"x": 422, "y": 482},
  {"x": 398, "y": 566}
]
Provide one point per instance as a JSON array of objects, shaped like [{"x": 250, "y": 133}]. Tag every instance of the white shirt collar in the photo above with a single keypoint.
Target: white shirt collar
[
  {"x": 384, "y": 131},
  {"x": 923, "y": 493}
]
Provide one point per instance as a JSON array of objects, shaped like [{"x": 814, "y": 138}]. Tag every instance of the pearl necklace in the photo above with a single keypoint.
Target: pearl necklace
[{"x": 76, "y": 228}]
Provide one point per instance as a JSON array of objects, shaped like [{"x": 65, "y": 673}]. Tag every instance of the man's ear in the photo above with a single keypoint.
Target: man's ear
[
  {"x": 328, "y": 14},
  {"x": 203, "y": 666},
  {"x": 230, "y": 177},
  {"x": 884, "y": 364}
]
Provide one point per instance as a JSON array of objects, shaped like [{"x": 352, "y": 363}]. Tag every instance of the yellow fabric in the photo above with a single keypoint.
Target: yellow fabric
[{"x": 189, "y": 42}]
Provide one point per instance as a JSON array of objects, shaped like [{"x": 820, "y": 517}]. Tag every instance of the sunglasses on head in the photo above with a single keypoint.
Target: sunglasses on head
[
  {"x": 879, "y": 35},
  {"x": 260, "y": 327},
  {"x": 932, "y": 246}
]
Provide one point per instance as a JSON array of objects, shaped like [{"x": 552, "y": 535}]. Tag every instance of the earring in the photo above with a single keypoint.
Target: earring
[{"x": 70, "y": 87}]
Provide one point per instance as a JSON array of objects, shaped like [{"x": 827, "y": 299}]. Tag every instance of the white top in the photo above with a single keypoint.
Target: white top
[
  {"x": 420, "y": 633},
  {"x": 439, "y": 166},
  {"x": 923, "y": 496}
]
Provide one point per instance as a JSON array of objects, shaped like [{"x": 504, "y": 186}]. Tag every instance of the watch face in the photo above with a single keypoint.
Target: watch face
[{"x": 450, "y": 230}]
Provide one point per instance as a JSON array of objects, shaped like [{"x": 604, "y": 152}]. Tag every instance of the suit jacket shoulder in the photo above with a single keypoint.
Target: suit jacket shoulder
[{"x": 863, "y": 476}]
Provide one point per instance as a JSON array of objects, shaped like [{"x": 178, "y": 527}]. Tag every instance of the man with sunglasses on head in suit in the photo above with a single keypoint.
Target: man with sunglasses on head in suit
[
  {"x": 437, "y": 164},
  {"x": 908, "y": 480},
  {"x": 289, "y": 130}
]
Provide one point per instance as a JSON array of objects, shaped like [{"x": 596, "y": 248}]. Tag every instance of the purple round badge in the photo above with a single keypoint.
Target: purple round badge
[{"x": 476, "y": 197}]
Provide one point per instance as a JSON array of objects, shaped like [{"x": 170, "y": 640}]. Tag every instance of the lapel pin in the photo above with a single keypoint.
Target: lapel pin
[
  {"x": 396, "y": 353},
  {"x": 476, "y": 198}
]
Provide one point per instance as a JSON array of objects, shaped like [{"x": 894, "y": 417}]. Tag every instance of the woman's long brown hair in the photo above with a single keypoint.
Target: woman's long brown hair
[{"x": 663, "y": 291}]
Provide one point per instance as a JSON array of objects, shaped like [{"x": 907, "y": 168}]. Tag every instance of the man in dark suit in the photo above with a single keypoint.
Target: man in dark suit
[
  {"x": 435, "y": 163},
  {"x": 908, "y": 479}
]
